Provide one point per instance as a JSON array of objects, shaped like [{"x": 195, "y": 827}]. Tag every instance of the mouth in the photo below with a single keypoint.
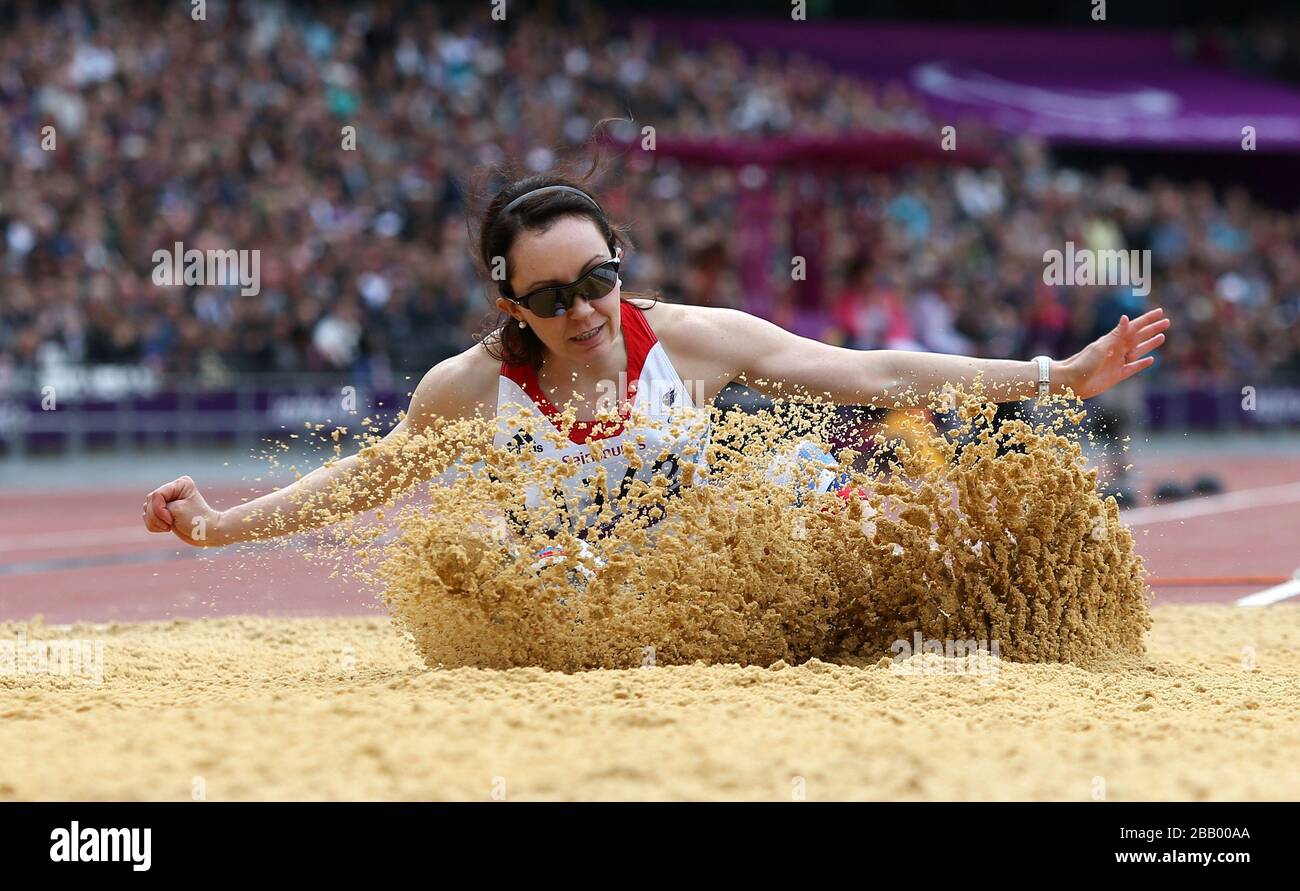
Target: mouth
[{"x": 588, "y": 335}]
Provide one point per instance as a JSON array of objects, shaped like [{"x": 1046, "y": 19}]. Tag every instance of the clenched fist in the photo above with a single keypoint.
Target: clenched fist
[{"x": 179, "y": 507}]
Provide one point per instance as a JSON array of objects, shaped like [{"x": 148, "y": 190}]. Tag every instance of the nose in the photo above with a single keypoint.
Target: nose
[{"x": 582, "y": 309}]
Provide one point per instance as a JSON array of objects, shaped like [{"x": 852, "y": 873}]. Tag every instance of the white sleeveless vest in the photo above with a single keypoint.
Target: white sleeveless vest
[{"x": 652, "y": 386}]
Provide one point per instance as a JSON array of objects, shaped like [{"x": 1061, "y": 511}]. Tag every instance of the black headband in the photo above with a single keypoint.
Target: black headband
[{"x": 511, "y": 206}]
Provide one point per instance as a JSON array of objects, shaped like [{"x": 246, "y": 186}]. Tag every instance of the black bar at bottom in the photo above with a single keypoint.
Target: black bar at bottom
[{"x": 299, "y": 840}]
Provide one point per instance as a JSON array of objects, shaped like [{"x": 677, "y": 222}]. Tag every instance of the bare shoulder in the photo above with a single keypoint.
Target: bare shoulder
[
  {"x": 703, "y": 331},
  {"x": 706, "y": 343},
  {"x": 687, "y": 327},
  {"x": 461, "y": 386}
]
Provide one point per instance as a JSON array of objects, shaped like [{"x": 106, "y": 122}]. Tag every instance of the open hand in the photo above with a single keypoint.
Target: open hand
[{"x": 1116, "y": 355}]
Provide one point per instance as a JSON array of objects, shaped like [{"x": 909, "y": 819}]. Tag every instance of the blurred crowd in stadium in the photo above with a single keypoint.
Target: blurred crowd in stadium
[
  {"x": 227, "y": 134},
  {"x": 1267, "y": 45}
]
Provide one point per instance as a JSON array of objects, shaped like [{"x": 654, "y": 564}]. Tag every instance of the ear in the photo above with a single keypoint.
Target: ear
[{"x": 509, "y": 308}]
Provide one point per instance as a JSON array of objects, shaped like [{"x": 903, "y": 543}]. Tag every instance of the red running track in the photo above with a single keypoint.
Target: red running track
[{"x": 86, "y": 557}]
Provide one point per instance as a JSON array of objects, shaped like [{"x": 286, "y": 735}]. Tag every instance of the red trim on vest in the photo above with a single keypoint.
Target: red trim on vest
[{"x": 638, "y": 339}]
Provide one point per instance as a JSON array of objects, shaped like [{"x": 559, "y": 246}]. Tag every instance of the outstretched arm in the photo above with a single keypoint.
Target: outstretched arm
[
  {"x": 329, "y": 493},
  {"x": 761, "y": 352}
]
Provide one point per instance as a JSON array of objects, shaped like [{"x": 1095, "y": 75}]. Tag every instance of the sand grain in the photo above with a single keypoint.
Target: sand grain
[{"x": 267, "y": 709}]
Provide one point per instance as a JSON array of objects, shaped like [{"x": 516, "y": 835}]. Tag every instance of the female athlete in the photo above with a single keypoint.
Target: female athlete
[{"x": 571, "y": 335}]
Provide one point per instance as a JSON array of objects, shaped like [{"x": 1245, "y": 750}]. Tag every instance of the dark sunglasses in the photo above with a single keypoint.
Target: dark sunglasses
[{"x": 557, "y": 299}]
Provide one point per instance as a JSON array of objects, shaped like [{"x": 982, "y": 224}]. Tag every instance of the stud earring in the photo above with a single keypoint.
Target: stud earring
[{"x": 523, "y": 324}]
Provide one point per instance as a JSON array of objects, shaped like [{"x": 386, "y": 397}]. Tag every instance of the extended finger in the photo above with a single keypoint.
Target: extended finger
[
  {"x": 1150, "y": 330},
  {"x": 1133, "y": 368},
  {"x": 1146, "y": 346},
  {"x": 1148, "y": 317}
]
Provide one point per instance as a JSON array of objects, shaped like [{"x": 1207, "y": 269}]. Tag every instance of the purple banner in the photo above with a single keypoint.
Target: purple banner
[{"x": 1092, "y": 85}]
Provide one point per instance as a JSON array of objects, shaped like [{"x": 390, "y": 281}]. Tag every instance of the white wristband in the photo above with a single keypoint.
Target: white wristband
[{"x": 1044, "y": 376}]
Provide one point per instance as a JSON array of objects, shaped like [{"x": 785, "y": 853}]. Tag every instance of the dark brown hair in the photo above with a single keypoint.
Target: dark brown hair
[{"x": 498, "y": 231}]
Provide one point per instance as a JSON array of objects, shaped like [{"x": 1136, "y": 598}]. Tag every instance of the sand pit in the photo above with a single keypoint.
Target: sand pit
[
  {"x": 264, "y": 708},
  {"x": 735, "y": 636}
]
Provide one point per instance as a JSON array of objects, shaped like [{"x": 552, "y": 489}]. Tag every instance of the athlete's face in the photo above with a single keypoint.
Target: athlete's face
[{"x": 558, "y": 256}]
